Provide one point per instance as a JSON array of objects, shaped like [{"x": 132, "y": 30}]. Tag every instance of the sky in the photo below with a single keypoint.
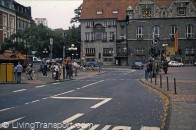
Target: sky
[{"x": 57, "y": 12}]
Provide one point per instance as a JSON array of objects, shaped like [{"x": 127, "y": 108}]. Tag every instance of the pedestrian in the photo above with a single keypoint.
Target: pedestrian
[
  {"x": 19, "y": 69},
  {"x": 29, "y": 71},
  {"x": 56, "y": 69},
  {"x": 15, "y": 73},
  {"x": 45, "y": 69}
]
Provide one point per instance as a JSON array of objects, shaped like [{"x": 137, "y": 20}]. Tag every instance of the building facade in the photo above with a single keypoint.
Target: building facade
[
  {"x": 122, "y": 32},
  {"x": 43, "y": 21},
  {"x": 13, "y": 16}
]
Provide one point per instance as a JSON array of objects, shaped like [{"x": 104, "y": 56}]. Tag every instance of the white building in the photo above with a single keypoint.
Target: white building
[{"x": 43, "y": 21}]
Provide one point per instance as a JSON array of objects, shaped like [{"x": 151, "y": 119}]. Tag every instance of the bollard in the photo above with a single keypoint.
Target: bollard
[
  {"x": 175, "y": 86},
  {"x": 160, "y": 81},
  {"x": 167, "y": 84}
]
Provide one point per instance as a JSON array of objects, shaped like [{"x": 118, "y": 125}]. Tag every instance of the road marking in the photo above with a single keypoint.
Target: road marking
[
  {"x": 6, "y": 124},
  {"x": 149, "y": 128},
  {"x": 40, "y": 86},
  {"x": 19, "y": 90},
  {"x": 35, "y": 101},
  {"x": 106, "y": 127},
  {"x": 56, "y": 83},
  {"x": 92, "y": 84},
  {"x": 73, "y": 117},
  {"x": 101, "y": 103},
  {"x": 94, "y": 127},
  {"x": 63, "y": 93},
  {"x": 105, "y": 100},
  {"x": 122, "y": 128},
  {"x": 6, "y": 109}
]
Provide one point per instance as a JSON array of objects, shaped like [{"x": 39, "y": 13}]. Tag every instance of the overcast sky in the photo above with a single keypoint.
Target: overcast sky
[{"x": 57, "y": 12}]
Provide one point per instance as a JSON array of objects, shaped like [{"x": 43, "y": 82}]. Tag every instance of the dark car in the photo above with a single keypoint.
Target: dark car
[
  {"x": 92, "y": 64},
  {"x": 138, "y": 65}
]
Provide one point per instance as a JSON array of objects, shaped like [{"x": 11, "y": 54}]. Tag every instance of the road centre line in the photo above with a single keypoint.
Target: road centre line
[
  {"x": 19, "y": 90},
  {"x": 6, "y": 109},
  {"x": 63, "y": 93},
  {"x": 92, "y": 84},
  {"x": 73, "y": 117},
  {"x": 40, "y": 86}
]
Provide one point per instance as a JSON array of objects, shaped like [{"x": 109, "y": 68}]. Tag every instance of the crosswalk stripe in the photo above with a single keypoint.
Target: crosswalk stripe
[
  {"x": 106, "y": 127},
  {"x": 149, "y": 128},
  {"x": 73, "y": 118},
  {"x": 94, "y": 127}
]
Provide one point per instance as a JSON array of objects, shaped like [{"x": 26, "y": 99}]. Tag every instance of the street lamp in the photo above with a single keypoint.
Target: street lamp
[
  {"x": 45, "y": 51},
  {"x": 51, "y": 46}
]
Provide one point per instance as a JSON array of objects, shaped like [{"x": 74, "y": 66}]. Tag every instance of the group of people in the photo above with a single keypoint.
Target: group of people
[{"x": 153, "y": 67}]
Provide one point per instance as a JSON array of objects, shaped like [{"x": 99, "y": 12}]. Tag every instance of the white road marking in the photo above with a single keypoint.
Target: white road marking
[
  {"x": 149, "y": 128},
  {"x": 92, "y": 84},
  {"x": 101, "y": 103},
  {"x": 63, "y": 93},
  {"x": 105, "y": 100},
  {"x": 10, "y": 122},
  {"x": 73, "y": 117},
  {"x": 40, "y": 86},
  {"x": 19, "y": 90},
  {"x": 35, "y": 101},
  {"x": 122, "y": 128},
  {"x": 55, "y": 83},
  {"x": 6, "y": 109},
  {"x": 106, "y": 127}
]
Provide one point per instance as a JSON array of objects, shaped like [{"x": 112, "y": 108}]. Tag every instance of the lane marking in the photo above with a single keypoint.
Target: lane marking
[
  {"x": 55, "y": 83},
  {"x": 92, "y": 84},
  {"x": 6, "y": 109},
  {"x": 40, "y": 86},
  {"x": 63, "y": 93},
  {"x": 35, "y": 101},
  {"x": 19, "y": 90},
  {"x": 105, "y": 100},
  {"x": 6, "y": 124},
  {"x": 101, "y": 103},
  {"x": 70, "y": 119}
]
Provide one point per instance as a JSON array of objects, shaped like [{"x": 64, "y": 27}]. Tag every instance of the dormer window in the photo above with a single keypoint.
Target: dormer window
[
  {"x": 181, "y": 11},
  {"x": 115, "y": 11},
  {"x": 100, "y": 12}
]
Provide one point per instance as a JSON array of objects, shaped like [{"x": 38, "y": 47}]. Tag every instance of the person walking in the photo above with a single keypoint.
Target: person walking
[
  {"x": 45, "y": 69},
  {"x": 19, "y": 69},
  {"x": 56, "y": 69},
  {"x": 29, "y": 70}
]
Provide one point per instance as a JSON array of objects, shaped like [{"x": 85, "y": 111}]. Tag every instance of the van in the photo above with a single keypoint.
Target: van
[{"x": 36, "y": 59}]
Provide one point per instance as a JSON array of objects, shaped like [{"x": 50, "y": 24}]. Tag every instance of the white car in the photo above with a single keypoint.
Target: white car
[{"x": 175, "y": 63}]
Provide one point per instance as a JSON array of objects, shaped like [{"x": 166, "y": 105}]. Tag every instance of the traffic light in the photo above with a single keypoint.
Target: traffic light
[
  {"x": 127, "y": 19},
  {"x": 99, "y": 55},
  {"x": 152, "y": 50}
]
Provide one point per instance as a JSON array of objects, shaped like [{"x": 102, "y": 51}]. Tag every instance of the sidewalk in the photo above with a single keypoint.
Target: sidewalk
[
  {"x": 39, "y": 79},
  {"x": 182, "y": 109}
]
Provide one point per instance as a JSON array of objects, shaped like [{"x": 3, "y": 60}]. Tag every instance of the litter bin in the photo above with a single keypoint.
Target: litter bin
[{"x": 6, "y": 72}]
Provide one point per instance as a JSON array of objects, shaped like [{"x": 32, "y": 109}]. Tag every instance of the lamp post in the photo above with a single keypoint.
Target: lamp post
[
  {"x": 51, "y": 46},
  {"x": 45, "y": 51}
]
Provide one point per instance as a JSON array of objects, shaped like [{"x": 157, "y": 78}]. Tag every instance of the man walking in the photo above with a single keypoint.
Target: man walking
[{"x": 19, "y": 70}]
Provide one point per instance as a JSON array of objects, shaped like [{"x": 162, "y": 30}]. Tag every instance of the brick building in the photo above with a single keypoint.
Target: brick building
[{"x": 109, "y": 37}]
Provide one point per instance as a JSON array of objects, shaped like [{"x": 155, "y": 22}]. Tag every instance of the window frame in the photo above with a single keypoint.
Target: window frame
[{"x": 140, "y": 32}]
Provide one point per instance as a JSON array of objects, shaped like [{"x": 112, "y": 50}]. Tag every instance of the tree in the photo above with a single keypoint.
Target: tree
[{"x": 77, "y": 16}]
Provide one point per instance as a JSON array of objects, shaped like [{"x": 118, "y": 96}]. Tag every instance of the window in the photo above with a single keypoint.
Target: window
[
  {"x": 107, "y": 51},
  {"x": 181, "y": 11},
  {"x": 113, "y": 23},
  {"x": 90, "y": 51},
  {"x": 189, "y": 31},
  {"x": 140, "y": 51},
  {"x": 140, "y": 32},
  {"x": 105, "y": 23},
  {"x": 100, "y": 12},
  {"x": 4, "y": 22},
  {"x": 111, "y": 36},
  {"x": 12, "y": 24},
  {"x": 87, "y": 36},
  {"x": 146, "y": 12},
  {"x": 104, "y": 36},
  {"x": 192, "y": 51},
  {"x": 115, "y": 11},
  {"x": 172, "y": 31},
  {"x": 156, "y": 31},
  {"x": 90, "y": 24},
  {"x": 109, "y": 23},
  {"x": 92, "y": 36},
  {"x": 186, "y": 51}
]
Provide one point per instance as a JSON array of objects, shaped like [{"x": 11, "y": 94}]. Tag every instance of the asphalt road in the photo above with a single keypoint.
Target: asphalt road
[{"x": 115, "y": 100}]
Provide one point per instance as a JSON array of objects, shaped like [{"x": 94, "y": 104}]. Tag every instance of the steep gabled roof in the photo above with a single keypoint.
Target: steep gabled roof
[{"x": 90, "y": 8}]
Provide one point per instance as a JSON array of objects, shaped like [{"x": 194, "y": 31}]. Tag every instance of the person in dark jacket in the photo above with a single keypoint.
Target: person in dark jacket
[{"x": 45, "y": 69}]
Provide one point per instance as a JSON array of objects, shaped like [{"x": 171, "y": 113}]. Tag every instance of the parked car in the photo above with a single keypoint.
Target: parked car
[
  {"x": 175, "y": 64},
  {"x": 138, "y": 65},
  {"x": 194, "y": 63}
]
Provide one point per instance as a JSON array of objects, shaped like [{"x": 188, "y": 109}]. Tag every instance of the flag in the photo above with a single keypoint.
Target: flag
[{"x": 176, "y": 41}]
